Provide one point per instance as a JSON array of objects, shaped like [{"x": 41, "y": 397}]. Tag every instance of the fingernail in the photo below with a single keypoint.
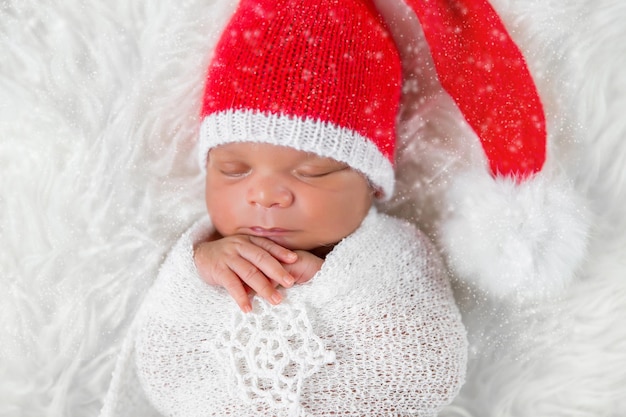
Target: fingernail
[
  {"x": 292, "y": 255},
  {"x": 246, "y": 309},
  {"x": 276, "y": 298},
  {"x": 289, "y": 280}
]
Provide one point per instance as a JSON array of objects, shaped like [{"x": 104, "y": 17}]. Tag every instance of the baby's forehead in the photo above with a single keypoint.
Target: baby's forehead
[{"x": 255, "y": 150}]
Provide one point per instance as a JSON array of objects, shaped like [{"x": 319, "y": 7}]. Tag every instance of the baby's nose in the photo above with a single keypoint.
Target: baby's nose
[{"x": 269, "y": 192}]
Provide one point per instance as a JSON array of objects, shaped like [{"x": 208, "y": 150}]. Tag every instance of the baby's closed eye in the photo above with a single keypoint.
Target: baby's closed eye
[
  {"x": 320, "y": 170},
  {"x": 233, "y": 169}
]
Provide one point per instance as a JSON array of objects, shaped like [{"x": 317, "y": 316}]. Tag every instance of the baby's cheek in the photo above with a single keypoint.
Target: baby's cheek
[{"x": 222, "y": 218}]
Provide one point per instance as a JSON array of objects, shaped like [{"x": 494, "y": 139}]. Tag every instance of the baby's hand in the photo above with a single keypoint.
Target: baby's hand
[
  {"x": 235, "y": 262},
  {"x": 305, "y": 267}
]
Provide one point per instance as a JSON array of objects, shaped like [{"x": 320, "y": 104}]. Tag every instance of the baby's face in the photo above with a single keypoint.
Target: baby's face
[{"x": 298, "y": 200}]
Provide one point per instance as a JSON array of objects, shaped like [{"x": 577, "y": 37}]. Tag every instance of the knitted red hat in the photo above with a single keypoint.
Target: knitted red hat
[
  {"x": 324, "y": 76},
  {"x": 319, "y": 76},
  {"x": 522, "y": 230}
]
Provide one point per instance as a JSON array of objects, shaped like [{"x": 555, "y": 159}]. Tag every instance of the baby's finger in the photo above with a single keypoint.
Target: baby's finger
[
  {"x": 305, "y": 268},
  {"x": 255, "y": 279},
  {"x": 231, "y": 283},
  {"x": 282, "y": 254},
  {"x": 267, "y": 265}
]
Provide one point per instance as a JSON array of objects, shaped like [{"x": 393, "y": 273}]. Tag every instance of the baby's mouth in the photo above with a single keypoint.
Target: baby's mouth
[{"x": 268, "y": 232}]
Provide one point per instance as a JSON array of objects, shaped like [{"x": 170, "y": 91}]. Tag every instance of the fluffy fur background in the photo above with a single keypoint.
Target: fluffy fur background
[{"x": 98, "y": 176}]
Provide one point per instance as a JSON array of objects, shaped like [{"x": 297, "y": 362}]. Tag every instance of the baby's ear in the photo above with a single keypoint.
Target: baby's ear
[{"x": 377, "y": 193}]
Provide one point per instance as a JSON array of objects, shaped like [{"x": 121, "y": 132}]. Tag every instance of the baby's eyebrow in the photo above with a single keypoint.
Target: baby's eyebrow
[
  {"x": 226, "y": 156},
  {"x": 318, "y": 158}
]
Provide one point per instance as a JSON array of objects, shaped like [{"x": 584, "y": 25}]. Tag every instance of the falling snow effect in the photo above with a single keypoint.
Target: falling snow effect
[{"x": 98, "y": 175}]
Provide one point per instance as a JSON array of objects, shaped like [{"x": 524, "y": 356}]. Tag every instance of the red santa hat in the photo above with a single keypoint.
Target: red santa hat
[
  {"x": 319, "y": 76},
  {"x": 324, "y": 76}
]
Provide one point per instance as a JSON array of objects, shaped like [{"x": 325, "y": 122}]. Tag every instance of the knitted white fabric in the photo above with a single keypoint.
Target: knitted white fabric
[
  {"x": 308, "y": 135},
  {"x": 375, "y": 333}
]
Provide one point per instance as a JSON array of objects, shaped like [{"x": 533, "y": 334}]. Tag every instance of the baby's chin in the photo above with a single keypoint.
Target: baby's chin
[
  {"x": 290, "y": 240},
  {"x": 317, "y": 248}
]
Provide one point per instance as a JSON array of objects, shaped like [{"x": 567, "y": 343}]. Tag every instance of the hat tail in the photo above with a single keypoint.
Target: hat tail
[
  {"x": 522, "y": 232},
  {"x": 484, "y": 71}
]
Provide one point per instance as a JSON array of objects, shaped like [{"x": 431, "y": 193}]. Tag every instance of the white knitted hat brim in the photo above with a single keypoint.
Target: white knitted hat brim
[{"x": 308, "y": 135}]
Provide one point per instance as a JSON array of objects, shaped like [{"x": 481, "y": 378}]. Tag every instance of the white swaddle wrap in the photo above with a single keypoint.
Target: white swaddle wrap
[{"x": 376, "y": 332}]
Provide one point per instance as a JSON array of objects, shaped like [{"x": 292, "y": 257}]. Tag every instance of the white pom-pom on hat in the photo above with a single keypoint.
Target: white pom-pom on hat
[
  {"x": 515, "y": 239},
  {"x": 515, "y": 229}
]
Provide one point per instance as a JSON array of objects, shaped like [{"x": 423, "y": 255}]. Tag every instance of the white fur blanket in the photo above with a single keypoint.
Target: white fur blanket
[{"x": 98, "y": 176}]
